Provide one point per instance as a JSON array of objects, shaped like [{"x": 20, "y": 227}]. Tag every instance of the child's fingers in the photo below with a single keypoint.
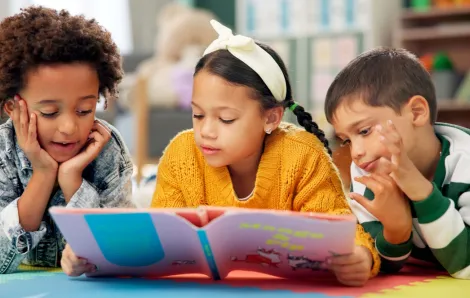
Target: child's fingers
[
  {"x": 364, "y": 202},
  {"x": 15, "y": 117},
  {"x": 392, "y": 147},
  {"x": 344, "y": 260},
  {"x": 384, "y": 180},
  {"x": 393, "y": 132},
  {"x": 91, "y": 268},
  {"x": 96, "y": 136},
  {"x": 346, "y": 269},
  {"x": 387, "y": 166},
  {"x": 72, "y": 257},
  {"x": 390, "y": 132},
  {"x": 370, "y": 182},
  {"x": 23, "y": 121},
  {"x": 32, "y": 130},
  {"x": 352, "y": 281},
  {"x": 102, "y": 130}
]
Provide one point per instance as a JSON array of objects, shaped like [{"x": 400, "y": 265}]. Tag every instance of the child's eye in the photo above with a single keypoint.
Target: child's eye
[
  {"x": 82, "y": 113},
  {"x": 196, "y": 116},
  {"x": 227, "y": 121},
  {"x": 48, "y": 115},
  {"x": 344, "y": 143},
  {"x": 364, "y": 131}
]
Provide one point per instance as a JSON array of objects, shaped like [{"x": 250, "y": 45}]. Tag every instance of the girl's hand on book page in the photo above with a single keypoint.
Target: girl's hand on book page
[
  {"x": 73, "y": 265},
  {"x": 353, "y": 269}
]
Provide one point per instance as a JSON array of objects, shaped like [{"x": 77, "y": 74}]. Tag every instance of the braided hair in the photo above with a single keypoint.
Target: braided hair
[
  {"x": 305, "y": 119},
  {"x": 222, "y": 63}
]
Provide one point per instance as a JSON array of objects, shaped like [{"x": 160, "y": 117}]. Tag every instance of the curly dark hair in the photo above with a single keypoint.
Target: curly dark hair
[{"x": 41, "y": 36}]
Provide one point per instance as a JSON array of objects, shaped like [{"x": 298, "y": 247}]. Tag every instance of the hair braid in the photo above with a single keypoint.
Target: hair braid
[{"x": 305, "y": 119}]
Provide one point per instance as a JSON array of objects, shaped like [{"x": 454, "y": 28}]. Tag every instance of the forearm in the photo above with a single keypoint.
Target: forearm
[
  {"x": 117, "y": 194},
  {"x": 33, "y": 202},
  {"x": 70, "y": 185},
  {"x": 393, "y": 254}
]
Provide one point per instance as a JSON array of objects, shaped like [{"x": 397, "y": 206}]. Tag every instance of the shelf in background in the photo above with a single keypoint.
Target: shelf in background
[
  {"x": 436, "y": 13},
  {"x": 436, "y": 32}
]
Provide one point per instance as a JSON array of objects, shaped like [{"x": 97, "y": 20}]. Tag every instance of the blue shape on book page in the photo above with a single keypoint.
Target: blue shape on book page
[{"x": 126, "y": 239}]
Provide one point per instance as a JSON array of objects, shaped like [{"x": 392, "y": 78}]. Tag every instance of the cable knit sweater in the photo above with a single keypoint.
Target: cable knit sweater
[{"x": 295, "y": 173}]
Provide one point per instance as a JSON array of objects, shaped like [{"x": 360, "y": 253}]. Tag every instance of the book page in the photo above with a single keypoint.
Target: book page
[
  {"x": 280, "y": 244},
  {"x": 150, "y": 243}
]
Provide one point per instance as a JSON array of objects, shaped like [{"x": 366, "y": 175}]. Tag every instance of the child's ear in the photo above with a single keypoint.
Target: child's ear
[
  {"x": 9, "y": 106},
  {"x": 418, "y": 108},
  {"x": 273, "y": 118}
]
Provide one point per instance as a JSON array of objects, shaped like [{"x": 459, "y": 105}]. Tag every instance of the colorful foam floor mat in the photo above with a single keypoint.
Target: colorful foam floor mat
[{"x": 411, "y": 282}]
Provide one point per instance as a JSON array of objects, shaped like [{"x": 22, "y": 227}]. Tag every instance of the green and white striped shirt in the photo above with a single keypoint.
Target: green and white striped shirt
[{"x": 441, "y": 232}]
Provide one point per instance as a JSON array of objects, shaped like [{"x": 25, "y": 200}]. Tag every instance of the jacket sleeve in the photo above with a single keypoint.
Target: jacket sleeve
[
  {"x": 444, "y": 224},
  {"x": 15, "y": 242}
]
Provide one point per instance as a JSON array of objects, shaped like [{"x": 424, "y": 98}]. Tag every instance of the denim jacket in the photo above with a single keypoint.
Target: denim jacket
[{"x": 106, "y": 183}]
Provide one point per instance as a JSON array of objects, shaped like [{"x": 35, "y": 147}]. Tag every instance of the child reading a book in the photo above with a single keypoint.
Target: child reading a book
[
  {"x": 410, "y": 175},
  {"x": 240, "y": 154},
  {"x": 53, "y": 69}
]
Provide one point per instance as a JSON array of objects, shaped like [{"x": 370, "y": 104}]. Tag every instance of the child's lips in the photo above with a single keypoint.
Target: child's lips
[
  {"x": 64, "y": 146},
  {"x": 209, "y": 150},
  {"x": 368, "y": 166}
]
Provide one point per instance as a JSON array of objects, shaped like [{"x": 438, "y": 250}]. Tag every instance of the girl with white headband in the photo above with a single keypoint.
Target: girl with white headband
[{"x": 240, "y": 153}]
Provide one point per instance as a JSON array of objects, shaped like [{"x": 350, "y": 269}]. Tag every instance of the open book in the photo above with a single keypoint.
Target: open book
[{"x": 207, "y": 240}]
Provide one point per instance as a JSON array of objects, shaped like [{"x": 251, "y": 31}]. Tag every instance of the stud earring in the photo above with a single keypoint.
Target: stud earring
[{"x": 268, "y": 131}]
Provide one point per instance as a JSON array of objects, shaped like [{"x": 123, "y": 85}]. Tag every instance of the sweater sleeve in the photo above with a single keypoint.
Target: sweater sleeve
[
  {"x": 321, "y": 190},
  {"x": 445, "y": 227},
  {"x": 168, "y": 192},
  {"x": 393, "y": 256}
]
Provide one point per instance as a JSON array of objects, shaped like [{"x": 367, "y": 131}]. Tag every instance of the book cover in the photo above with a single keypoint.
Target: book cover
[{"x": 208, "y": 240}]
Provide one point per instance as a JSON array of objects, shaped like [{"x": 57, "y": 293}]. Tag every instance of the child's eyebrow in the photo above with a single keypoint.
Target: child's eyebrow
[
  {"x": 221, "y": 108},
  {"x": 357, "y": 123}
]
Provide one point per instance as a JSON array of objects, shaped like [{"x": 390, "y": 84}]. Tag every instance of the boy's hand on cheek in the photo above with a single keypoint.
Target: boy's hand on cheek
[
  {"x": 26, "y": 134},
  {"x": 353, "y": 269},
  {"x": 408, "y": 178},
  {"x": 389, "y": 206},
  {"x": 70, "y": 172}
]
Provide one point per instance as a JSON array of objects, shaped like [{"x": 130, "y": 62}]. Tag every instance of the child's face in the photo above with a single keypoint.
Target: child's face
[
  {"x": 228, "y": 124},
  {"x": 355, "y": 124},
  {"x": 64, "y": 98}
]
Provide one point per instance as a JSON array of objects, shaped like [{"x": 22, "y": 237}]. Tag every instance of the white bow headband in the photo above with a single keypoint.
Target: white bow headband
[{"x": 245, "y": 49}]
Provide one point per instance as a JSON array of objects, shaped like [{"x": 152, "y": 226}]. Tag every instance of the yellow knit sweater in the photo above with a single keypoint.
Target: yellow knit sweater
[{"x": 295, "y": 173}]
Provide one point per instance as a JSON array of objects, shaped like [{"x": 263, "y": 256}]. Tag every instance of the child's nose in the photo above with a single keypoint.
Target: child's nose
[
  {"x": 357, "y": 150},
  {"x": 67, "y": 126}
]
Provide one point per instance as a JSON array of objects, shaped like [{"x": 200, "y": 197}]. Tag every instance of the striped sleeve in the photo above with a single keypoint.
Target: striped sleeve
[
  {"x": 393, "y": 256},
  {"x": 445, "y": 227}
]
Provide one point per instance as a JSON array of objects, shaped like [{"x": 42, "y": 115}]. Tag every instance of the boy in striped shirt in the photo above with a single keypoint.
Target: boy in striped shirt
[{"x": 410, "y": 176}]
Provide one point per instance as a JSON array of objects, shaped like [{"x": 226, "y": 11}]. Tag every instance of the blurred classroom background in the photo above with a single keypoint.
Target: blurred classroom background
[{"x": 161, "y": 40}]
